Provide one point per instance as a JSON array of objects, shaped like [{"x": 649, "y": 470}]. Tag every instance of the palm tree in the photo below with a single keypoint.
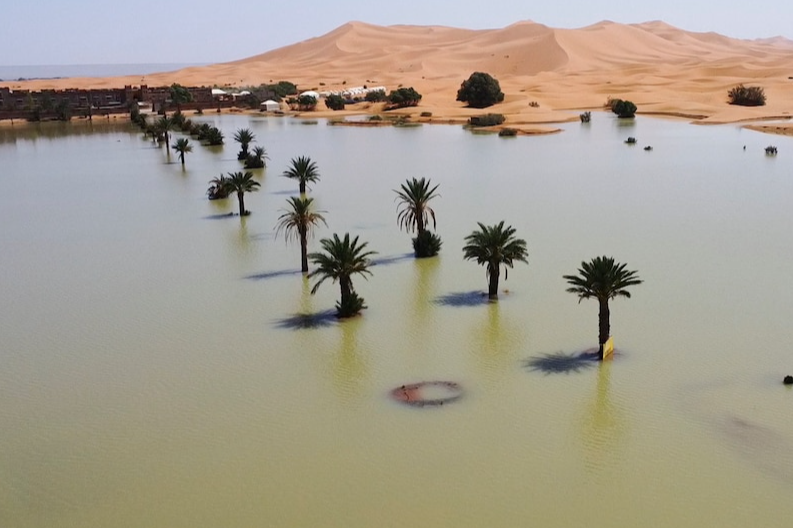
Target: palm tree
[
  {"x": 244, "y": 137},
  {"x": 298, "y": 222},
  {"x": 602, "y": 279},
  {"x": 495, "y": 245},
  {"x": 303, "y": 170},
  {"x": 163, "y": 125},
  {"x": 218, "y": 188},
  {"x": 241, "y": 183},
  {"x": 182, "y": 146},
  {"x": 257, "y": 159},
  {"x": 342, "y": 258},
  {"x": 414, "y": 214},
  {"x": 214, "y": 136}
]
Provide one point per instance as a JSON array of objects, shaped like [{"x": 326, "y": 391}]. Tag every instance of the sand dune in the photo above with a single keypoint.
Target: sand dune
[{"x": 661, "y": 68}]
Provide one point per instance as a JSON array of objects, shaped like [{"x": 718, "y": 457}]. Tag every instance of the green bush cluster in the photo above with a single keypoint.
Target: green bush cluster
[
  {"x": 334, "y": 102},
  {"x": 480, "y": 90},
  {"x": 507, "y": 132},
  {"x": 403, "y": 97},
  {"x": 376, "y": 96}
]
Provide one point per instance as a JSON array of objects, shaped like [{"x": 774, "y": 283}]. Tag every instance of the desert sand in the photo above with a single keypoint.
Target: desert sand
[{"x": 663, "y": 69}]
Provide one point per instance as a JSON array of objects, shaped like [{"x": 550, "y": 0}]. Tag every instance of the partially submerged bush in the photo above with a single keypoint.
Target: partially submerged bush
[
  {"x": 486, "y": 120},
  {"x": 586, "y": 117},
  {"x": 480, "y": 90},
  {"x": 426, "y": 244},
  {"x": 507, "y": 132},
  {"x": 747, "y": 96},
  {"x": 623, "y": 108}
]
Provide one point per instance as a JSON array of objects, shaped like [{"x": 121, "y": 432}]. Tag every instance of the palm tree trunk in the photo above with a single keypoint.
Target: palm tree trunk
[
  {"x": 181, "y": 158},
  {"x": 167, "y": 142},
  {"x": 303, "y": 250},
  {"x": 603, "y": 319},
  {"x": 302, "y": 187},
  {"x": 493, "y": 274},
  {"x": 346, "y": 288},
  {"x": 242, "y": 203}
]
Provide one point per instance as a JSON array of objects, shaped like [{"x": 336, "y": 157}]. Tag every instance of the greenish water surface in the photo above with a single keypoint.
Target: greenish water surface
[{"x": 155, "y": 372}]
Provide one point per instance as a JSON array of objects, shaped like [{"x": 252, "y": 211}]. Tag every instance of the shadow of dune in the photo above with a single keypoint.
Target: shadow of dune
[
  {"x": 304, "y": 321},
  {"x": 461, "y": 299},
  {"x": 561, "y": 363},
  {"x": 273, "y": 274}
]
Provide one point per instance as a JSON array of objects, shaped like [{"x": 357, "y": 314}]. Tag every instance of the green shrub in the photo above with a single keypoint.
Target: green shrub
[
  {"x": 377, "y": 96},
  {"x": 375, "y": 118},
  {"x": 214, "y": 136},
  {"x": 404, "y": 97},
  {"x": 486, "y": 120},
  {"x": 586, "y": 117},
  {"x": 507, "y": 132},
  {"x": 334, "y": 102},
  {"x": 480, "y": 90},
  {"x": 746, "y": 96},
  {"x": 306, "y": 102}
]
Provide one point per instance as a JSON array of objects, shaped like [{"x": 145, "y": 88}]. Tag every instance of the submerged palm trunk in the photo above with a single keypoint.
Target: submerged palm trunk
[
  {"x": 181, "y": 158},
  {"x": 242, "y": 203},
  {"x": 603, "y": 319},
  {"x": 303, "y": 249},
  {"x": 493, "y": 274}
]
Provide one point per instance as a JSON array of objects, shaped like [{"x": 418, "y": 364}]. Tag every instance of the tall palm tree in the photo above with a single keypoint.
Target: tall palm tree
[
  {"x": 298, "y": 222},
  {"x": 493, "y": 246},
  {"x": 341, "y": 259},
  {"x": 603, "y": 279},
  {"x": 414, "y": 214},
  {"x": 244, "y": 137},
  {"x": 163, "y": 126},
  {"x": 241, "y": 183},
  {"x": 304, "y": 171},
  {"x": 183, "y": 146}
]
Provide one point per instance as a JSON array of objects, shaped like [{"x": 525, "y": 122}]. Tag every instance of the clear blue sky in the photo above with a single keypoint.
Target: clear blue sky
[{"x": 203, "y": 31}]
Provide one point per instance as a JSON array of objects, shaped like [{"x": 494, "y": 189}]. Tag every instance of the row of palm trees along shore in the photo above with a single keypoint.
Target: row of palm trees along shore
[{"x": 494, "y": 246}]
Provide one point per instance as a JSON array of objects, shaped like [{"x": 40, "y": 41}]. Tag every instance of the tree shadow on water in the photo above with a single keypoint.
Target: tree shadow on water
[
  {"x": 561, "y": 363},
  {"x": 273, "y": 274},
  {"x": 393, "y": 259},
  {"x": 461, "y": 299},
  {"x": 306, "y": 321}
]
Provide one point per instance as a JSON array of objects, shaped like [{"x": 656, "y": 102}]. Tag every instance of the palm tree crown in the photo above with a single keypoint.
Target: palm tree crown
[
  {"x": 163, "y": 126},
  {"x": 244, "y": 137},
  {"x": 304, "y": 171},
  {"x": 241, "y": 183},
  {"x": 341, "y": 259},
  {"x": 298, "y": 222},
  {"x": 603, "y": 279},
  {"x": 495, "y": 246},
  {"x": 182, "y": 146},
  {"x": 414, "y": 211}
]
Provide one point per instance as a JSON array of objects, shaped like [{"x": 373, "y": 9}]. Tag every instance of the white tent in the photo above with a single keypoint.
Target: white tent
[
  {"x": 313, "y": 94},
  {"x": 217, "y": 92},
  {"x": 270, "y": 106}
]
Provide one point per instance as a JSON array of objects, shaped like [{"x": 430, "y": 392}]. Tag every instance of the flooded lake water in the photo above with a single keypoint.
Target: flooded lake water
[{"x": 155, "y": 370}]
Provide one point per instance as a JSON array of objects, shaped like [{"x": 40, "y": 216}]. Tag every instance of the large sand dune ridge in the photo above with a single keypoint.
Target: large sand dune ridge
[{"x": 661, "y": 68}]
